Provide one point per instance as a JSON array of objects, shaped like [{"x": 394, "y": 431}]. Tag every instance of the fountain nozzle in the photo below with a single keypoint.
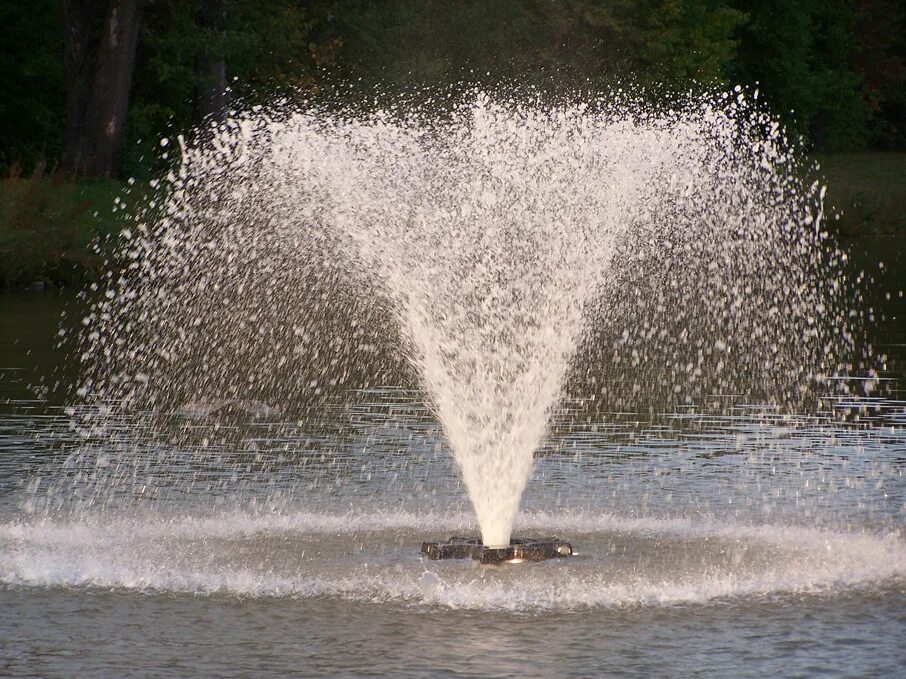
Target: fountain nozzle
[{"x": 518, "y": 551}]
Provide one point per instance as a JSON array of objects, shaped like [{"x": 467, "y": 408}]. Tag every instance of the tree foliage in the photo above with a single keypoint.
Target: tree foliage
[
  {"x": 671, "y": 42},
  {"x": 32, "y": 88},
  {"x": 833, "y": 70},
  {"x": 800, "y": 54},
  {"x": 268, "y": 45}
]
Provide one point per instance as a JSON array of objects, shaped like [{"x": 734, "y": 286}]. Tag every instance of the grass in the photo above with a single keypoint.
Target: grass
[
  {"x": 47, "y": 225},
  {"x": 868, "y": 191},
  {"x": 48, "y": 222}
]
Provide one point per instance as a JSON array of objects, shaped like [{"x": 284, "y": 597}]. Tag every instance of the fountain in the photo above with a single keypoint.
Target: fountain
[
  {"x": 490, "y": 254},
  {"x": 333, "y": 336}
]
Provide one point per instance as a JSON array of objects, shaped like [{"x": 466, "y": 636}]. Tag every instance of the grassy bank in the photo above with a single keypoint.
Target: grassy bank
[
  {"x": 868, "y": 190},
  {"x": 47, "y": 224}
]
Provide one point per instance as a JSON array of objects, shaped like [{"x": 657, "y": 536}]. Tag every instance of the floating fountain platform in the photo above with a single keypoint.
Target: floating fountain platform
[{"x": 519, "y": 550}]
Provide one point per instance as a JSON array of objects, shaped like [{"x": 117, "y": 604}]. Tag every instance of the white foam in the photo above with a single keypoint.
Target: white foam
[
  {"x": 350, "y": 556},
  {"x": 229, "y": 525}
]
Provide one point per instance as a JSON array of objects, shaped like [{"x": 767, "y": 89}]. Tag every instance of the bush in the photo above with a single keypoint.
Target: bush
[{"x": 46, "y": 227}]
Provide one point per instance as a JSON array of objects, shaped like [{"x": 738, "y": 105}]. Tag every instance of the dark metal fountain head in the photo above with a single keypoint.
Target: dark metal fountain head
[{"x": 519, "y": 550}]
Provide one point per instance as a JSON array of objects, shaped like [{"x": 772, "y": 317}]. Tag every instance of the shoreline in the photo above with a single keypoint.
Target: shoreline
[{"x": 49, "y": 224}]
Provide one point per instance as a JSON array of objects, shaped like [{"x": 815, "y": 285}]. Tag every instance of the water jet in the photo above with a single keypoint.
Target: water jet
[{"x": 493, "y": 256}]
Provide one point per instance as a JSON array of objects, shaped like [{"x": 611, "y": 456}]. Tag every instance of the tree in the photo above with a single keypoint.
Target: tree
[
  {"x": 198, "y": 58},
  {"x": 99, "y": 80},
  {"x": 31, "y": 80},
  {"x": 882, "y": 60},
  {"x": 210, "y": 66},
  {"x": 667, "y": 44},
  {"x": 800, "y": 55}
]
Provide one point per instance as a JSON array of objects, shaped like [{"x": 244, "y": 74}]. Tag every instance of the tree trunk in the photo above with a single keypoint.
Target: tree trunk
[
  {"x": 213, "y": 97},
  {"x": 98, "y": 136},
  {"x": 79, "y": 16}
]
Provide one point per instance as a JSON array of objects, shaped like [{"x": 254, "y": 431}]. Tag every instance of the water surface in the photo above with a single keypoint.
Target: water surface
[{"x": 745, "y": 541}]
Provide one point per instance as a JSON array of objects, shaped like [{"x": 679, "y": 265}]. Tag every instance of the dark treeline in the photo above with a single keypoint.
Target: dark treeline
[{"x": 92, "y": 84}]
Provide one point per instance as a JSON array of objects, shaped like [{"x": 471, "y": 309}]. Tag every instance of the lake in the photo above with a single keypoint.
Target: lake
[{"x": 742, "y": 542}]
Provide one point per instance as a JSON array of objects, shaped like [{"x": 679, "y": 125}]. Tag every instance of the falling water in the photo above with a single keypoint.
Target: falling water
[{"x": 504, "y": 249}]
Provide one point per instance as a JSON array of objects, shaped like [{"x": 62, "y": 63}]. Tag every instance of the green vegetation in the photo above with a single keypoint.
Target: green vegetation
[
  {"x": 833, "y": 71},
  {"x": 48, "y": 224},
  {"x": 869, "y": 189}
]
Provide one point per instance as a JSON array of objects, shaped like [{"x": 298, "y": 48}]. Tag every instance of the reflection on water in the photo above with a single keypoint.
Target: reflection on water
[
  {"x": 747, "y": 539},
  {"x": 841, "y": 468},
  {"x": 689, "y": 508}
]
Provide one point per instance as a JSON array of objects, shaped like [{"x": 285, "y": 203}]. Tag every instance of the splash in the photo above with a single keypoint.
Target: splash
[
  {"x": 657, "y": 563},
  {"x": 500, "y": 248}
]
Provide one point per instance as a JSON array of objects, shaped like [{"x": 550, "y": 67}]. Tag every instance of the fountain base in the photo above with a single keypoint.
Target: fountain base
[{"x": 519, "y": 550}]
